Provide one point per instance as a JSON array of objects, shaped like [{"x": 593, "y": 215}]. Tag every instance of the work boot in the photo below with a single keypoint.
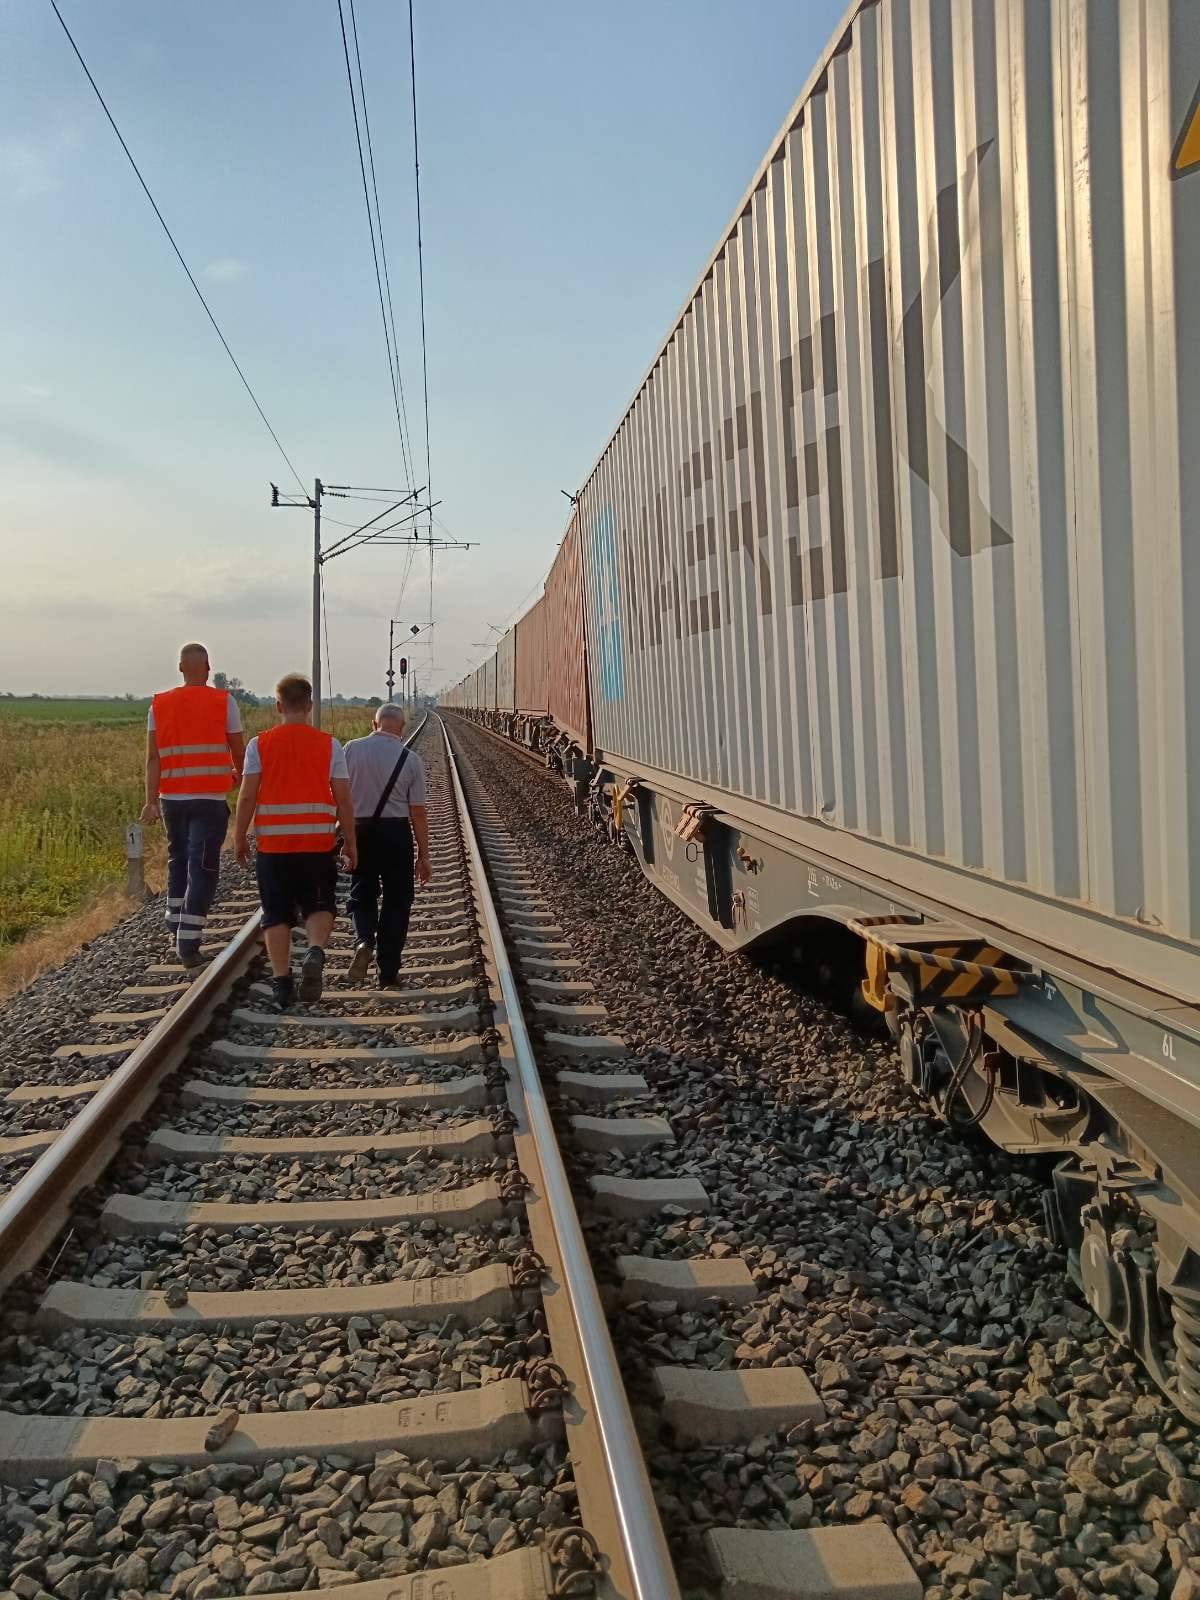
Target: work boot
[
  {"x": 190, "y": 958},
  {"x": 281, "y": 991},
  {"x": 387, "y": 980},
  {"x": 312, "y": 970},
  {"x": 359, "y": 964}
]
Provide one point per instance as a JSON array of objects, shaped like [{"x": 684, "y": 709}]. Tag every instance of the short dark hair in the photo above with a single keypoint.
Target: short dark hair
[{"x": 294, "y": 691}]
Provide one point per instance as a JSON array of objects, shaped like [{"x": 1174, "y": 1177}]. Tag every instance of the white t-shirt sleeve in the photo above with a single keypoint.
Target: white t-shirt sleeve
[
  {"x": 252, "y": 765},
  {"x": 150, "y": 720},
  {"x": 337, "y": 762}
]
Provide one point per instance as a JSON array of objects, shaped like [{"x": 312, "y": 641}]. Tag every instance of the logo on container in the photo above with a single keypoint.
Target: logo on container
[{"x": 609, "y": 651}]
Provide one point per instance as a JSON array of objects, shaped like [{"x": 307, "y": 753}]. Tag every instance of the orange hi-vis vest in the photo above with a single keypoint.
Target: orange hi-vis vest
[
  {"x": 295, "y": 809},
  {"x": 193, "y": 747}
]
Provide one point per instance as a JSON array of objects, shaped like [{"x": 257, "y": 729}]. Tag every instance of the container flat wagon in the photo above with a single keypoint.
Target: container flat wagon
[
  {"x": 532, "y": 705},
  {"x": 885, "y": 578}
]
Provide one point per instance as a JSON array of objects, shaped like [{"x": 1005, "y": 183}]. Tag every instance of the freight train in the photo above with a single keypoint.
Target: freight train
[{"x": 875, "y": 627}]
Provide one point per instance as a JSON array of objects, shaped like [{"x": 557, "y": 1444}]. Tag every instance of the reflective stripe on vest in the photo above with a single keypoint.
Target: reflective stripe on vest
[
  {"x": 291, "y": 811},
  {"x": 189, "y": 731},
  {"x": 295, "y": 809}
]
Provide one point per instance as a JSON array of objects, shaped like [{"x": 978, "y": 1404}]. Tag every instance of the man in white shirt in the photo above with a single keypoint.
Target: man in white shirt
[{"x": 387, "y": 787}]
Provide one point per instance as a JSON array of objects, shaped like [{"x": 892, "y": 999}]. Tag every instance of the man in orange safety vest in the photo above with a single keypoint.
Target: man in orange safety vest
[
  {"x": 296, "y": 791},
  {"x": 194, "y": 748}
]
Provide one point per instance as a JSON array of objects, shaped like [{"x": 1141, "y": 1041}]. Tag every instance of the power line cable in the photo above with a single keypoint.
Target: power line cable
[
  {"x": 174, "y": 246},
  {"x": 353, "y": 489},
  {"x": 348, "y": 538},
  {"x": 408, "y": 561},
  {"x": 412, "y": 53},
  {"x": 362, "y": 167},
  {"x": 387, "y": 282}
]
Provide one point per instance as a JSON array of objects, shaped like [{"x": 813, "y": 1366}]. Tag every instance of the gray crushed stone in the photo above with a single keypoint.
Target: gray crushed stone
[
  {"x": 259, "y": 1257},
  {"x": 362, "y": 1119},
  {"x": 272, "y": 1367},
  {"x": 256, "y": 1180},
  {"x": 55, "y": 1008},
  {"x": 299, "y": 1523}
]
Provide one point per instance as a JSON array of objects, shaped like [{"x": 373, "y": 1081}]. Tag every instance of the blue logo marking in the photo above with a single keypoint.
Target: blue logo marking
[{"x": 611, "y": 662}]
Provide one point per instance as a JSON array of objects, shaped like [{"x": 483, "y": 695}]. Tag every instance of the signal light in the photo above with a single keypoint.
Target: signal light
[{"x": 404, "y": 666}]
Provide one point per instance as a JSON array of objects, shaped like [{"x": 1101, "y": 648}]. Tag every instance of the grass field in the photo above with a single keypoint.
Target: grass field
[
  {"x": 70, "y": 781},
  {"x": 95, "y": 713}
]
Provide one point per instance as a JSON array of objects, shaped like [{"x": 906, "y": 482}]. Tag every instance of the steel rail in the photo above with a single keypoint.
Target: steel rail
[
  {"x": 38, "y": 1206},
  {"x": 643, "y": 1542},
  {"x": 35, "y": 1209}
]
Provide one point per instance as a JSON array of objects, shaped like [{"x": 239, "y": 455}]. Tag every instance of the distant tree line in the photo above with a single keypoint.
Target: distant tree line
[{"x": 221, "y": 680}]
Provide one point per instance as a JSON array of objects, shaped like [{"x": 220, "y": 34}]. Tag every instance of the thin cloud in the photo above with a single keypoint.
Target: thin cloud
[
  {"x": 27, "y": 434},
  {"x": 26, "y": 168},
  {"x": 225, "y": 269}
]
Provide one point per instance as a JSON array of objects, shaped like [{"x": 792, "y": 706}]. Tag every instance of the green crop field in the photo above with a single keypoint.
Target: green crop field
[
  {"x": 69, "y": 786},
  {"x": 70, "y": 781},
  {"x": 109, "y": 713}
]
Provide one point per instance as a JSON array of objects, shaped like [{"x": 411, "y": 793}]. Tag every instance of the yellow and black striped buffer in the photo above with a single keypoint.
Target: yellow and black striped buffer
[{"x": 943, "y": 963}]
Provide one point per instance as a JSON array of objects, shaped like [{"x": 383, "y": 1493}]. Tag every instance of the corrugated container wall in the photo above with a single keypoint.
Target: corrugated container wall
[
  {"x": 901, "y": 532},
  {"x": 506, "y": 671},
  {"x": 567, "y": 685},
  {"x": 487, "y": 684},
  {"x": 531, "y": 659}
]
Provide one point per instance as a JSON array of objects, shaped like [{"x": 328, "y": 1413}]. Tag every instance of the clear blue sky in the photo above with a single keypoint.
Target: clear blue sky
[{"x": 578, "y": 165}]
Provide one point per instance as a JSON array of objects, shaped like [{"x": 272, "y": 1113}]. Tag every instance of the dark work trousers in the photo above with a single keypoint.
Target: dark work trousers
[
  {"x": 195, "y": 833},
  {"x": 385, "y": 863}
]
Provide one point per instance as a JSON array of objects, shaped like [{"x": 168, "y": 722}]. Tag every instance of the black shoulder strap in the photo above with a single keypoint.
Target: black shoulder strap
[{"x": 390, "y": 784}]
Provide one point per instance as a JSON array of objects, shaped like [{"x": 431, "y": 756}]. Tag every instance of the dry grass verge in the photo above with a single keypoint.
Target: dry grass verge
[{"x": 21, "y": 963}]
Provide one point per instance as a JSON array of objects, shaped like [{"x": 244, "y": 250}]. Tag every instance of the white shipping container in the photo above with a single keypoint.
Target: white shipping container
[{"x": 898, "y": 540}]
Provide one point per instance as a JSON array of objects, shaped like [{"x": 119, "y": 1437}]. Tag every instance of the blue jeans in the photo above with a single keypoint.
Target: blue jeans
[{"x": 195, "y": 833}]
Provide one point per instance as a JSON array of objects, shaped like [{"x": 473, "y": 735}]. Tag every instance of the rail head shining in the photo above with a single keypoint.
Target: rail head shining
[
  {"x": 642, "y": 1538},
  {"x": 34, "y": 1210}
]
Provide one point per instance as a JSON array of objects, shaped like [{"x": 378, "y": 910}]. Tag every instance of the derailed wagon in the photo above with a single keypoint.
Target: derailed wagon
[{"x": 886, "y": 580}]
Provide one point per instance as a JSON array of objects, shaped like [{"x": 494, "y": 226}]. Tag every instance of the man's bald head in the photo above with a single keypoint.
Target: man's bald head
[
  {"x": 193, "y": 663},
  {"x": 389, "y": 719}
]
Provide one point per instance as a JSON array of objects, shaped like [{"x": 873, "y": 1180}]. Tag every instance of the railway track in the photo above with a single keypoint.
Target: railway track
[{"x": 303, "y": 1300}]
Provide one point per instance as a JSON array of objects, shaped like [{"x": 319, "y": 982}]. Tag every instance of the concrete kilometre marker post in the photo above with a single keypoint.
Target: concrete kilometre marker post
[{"x": 135, "y": 862}]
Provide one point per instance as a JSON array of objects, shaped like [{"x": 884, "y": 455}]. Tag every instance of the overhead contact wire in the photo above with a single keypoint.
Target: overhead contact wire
[
  {"x": 387, "y": 282},
  {"x": 362, "y": 167},
  {"x": 178, "y": 253},
  {"x": 412, "y": 54}
]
